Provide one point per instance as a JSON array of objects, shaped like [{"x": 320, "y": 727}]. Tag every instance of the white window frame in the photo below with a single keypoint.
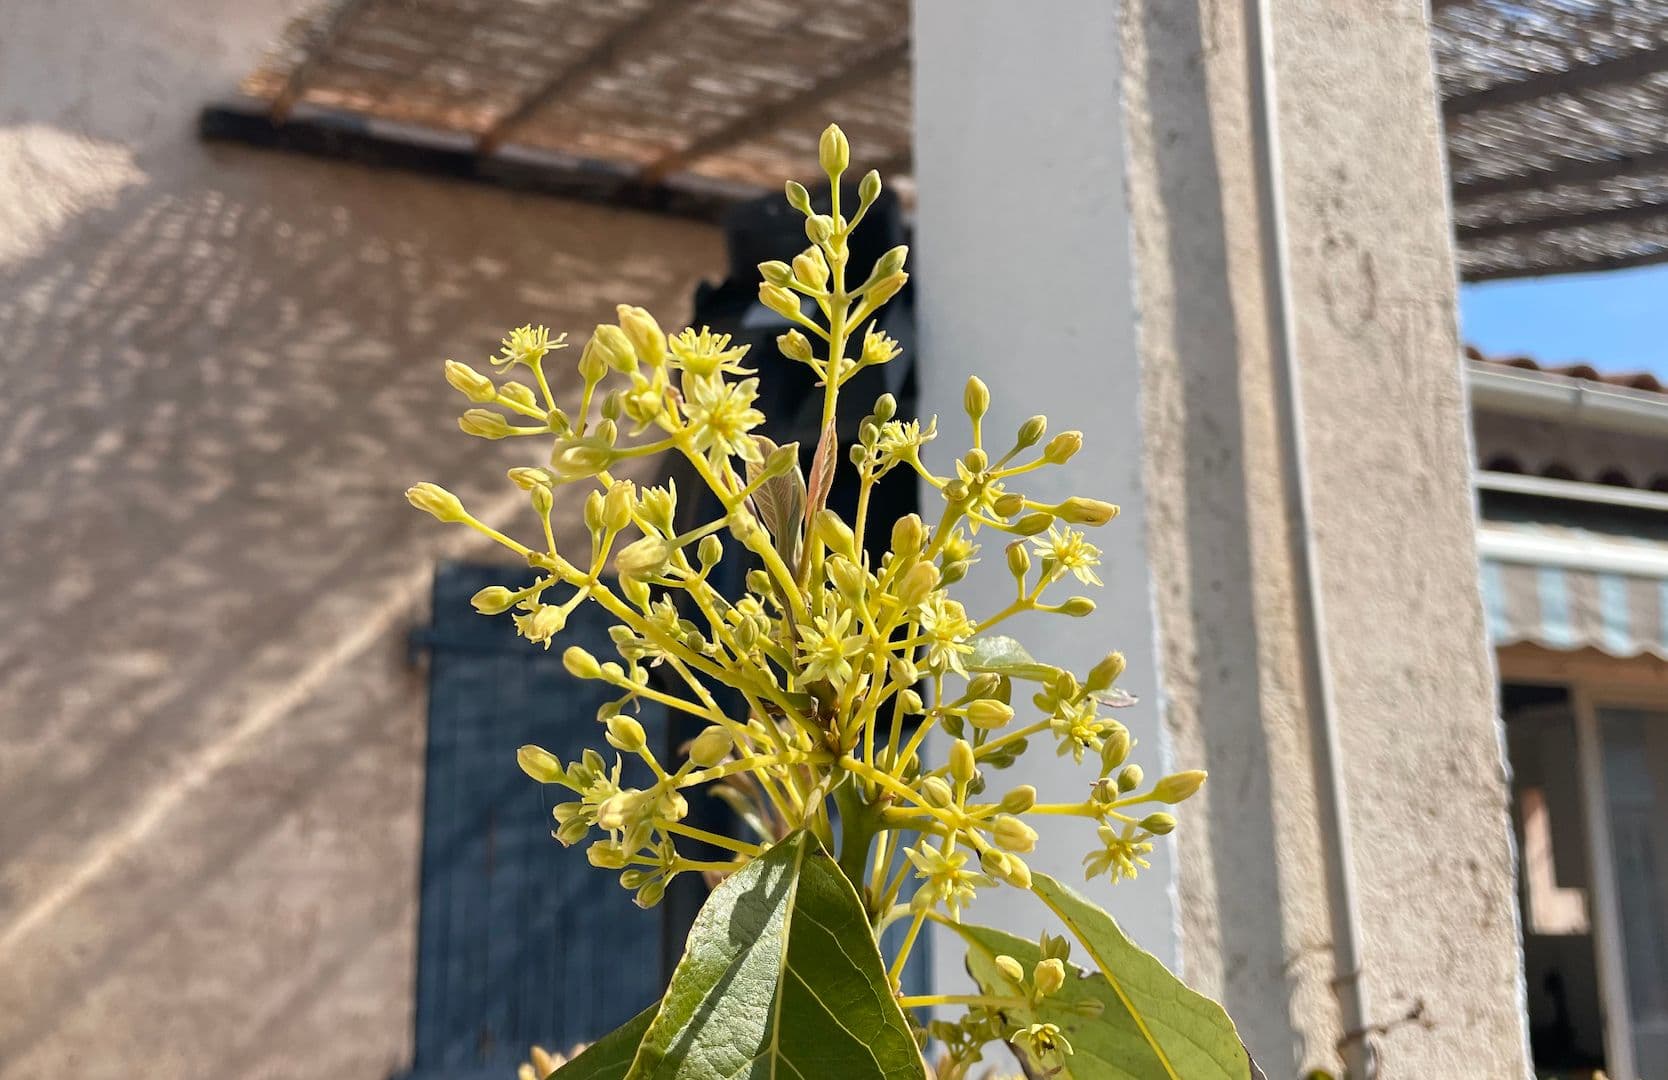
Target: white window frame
[{"x": 1596, "y": 681}]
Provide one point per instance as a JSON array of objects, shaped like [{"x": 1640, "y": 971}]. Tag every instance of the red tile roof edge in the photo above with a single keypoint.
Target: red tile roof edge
[{"x": 1638, "y": 380}]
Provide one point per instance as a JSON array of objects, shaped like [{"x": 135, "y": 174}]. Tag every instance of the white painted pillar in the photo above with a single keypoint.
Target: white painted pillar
[{"x": 1022, "y": 260}]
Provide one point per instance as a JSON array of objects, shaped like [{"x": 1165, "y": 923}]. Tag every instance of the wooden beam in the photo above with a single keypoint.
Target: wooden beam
[
  {"x": 325, "y": 34},
  {"x": 444, "y": 155},
  {"x": 601, "y": 57},
  {"x": 1573, "y": 266},
  {"x": 1612, "y": 215},
  {"x": 1622, "y": 69},
  {"x": 1568, "y": 171},
  {"x": 761, "y": 121}
]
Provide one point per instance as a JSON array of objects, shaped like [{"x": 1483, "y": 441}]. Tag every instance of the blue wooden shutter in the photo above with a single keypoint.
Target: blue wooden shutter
[{"x": 520, "y": 940}]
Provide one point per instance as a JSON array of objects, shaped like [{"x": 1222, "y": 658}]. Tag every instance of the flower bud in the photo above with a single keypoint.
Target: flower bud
[
  {"x": 918, "y": 584},
  {"x": 1103, "y": 791},
  {"x": 1019, "y": 800},
  {"x": 819, "y": 228},
  {"x": 646, "y": 336},
  {"x": 1010, "y": 968},
  {"x": 543, "y": 500},
  {"x": 617, "y": 506},
  {"x": 527, "y": 478},
  {"x": 1049, "y": 975},
  {"x": 962, "y": 763},
  {"x": 607, "y": 855},
  {"x": 794, "y": 345},
  {"x": 955, "y": 571},
  {"x": 651, "y": 894},
  {"x": 615, "y": 348},
  {"x": 1129, "y": 778},
  {"x": 642, "y": 559},
  {"x": 1080, "y": 511},
  {"x": 776, "y": 272},
  {"x": 937, "y": 792},
  {"x": 593, "y": 362},
  {"x": 886, "y": 288},
  {"x": 833, "y": 151},
  {"x": 910, "y": 702},
  {"x": 539, "y": 763},
  {"x": 1159, "y": 824},
  {"x": 581, "y": 664},
  {"x": 579, "y": 460},
  {"x": 798, "y": 197},
  {"x": 835, "y": 534},
  {"x": 493, "y": 600},
  {"x": 848, "y": 578},
  {"x": 470, "y": 383},
  {"x": 1179, "y": 786},
  {"x": 1114, "y": 748},
  {"x": 626, "y": 734},
  {"x": 904, "y": 670},
  {"x": 1031, "y": 431},
  {"x": 1063, "y": 447},
  {"x": 975, "y": 397},
  {"x": 710, "y": 747},
  {"x": 520, "y": 393},
  {"x": 1012, "y": 834},
  {"x": 709, "y": 551},
  {"x": 779, "y": 300},
  {"x": 436, "y": 500},
  {"x": 890, "y": 263},
  {"x": 1105, "y": 673},
  {"x": 484, "y": 424},
  {"x": 909, "y": 535},
  {"x": 747, "y": 530},
  {"x": 1077, "y": 607},
  {"x": 868, "y": 189},
  {"x": 1033, "y": 523},
  {"x": 1006, "y": 868},
  {"x": 593, "y": 512},
  {"x": 989, "y": 714},
  {"x": 975, "y": 460},
  {"x": 1019, "y": 560},
  {"x": 1008, "y": 504},
  {"x": 811, "y": 268}
]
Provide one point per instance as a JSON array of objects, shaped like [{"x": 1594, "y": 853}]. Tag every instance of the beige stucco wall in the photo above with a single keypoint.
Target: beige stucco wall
[
  {"x": 1373, "y": 289},
  {"x": 218, "y": 370}
]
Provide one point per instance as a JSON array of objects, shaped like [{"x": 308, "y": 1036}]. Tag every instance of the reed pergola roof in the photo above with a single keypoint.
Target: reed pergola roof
[
  {"x": 1557, "y": 125},
  {"x": 1556, "y": 110}
]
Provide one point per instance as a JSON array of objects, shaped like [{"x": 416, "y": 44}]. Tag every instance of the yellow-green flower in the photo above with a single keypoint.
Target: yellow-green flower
[
  {"x": 1043, "y": 1040},
  {"x": 828, "y": 649},
  {"x": 1069, "y": 549},
  {"x": 526, "y": 345},
  {"x": 720, "y": 416},
  {"x": 945, "y": 878},
  {"x": 704, "y": 353},
  {"x": 1079, "y": 728},
  {"x": 946, "y": 628},
  {"x": 1121, "y": 855}
]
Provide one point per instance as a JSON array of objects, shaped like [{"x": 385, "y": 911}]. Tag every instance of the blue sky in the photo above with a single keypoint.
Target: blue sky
[{"x": 1617, "y": 320}]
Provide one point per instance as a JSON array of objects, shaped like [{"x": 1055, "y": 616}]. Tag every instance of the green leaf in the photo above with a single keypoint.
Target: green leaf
[
  {"x": 610, "y": 1056},
  {"x": 1151, "y": 1026},
  {"x": 1004, "y": 655},
  {"x": 781, "y": 979}
]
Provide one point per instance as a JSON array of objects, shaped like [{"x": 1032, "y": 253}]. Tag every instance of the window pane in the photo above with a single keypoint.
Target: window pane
[{"x": 1636, "y": 785}]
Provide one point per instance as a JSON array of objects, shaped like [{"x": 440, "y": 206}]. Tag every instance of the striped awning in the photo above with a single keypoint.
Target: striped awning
[{"x": 1569, "y": 588}]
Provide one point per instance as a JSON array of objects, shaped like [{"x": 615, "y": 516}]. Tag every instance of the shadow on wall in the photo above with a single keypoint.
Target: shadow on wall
[
  {"x": 1222, "y": 656},
  {"x": 213, "y": 391}
]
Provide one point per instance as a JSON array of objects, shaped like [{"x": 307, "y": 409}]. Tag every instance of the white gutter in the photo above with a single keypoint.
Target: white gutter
[
  {"x": 1354, "y": 1044},
  {"x": 1545, "y": 487},
  {"x": 1545, "y": 396}
]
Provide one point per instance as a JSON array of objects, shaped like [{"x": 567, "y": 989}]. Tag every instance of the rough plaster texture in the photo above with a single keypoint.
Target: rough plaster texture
[
  {"x": 1384, "y": 415},
  {"x": 218, "y": 370}
]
